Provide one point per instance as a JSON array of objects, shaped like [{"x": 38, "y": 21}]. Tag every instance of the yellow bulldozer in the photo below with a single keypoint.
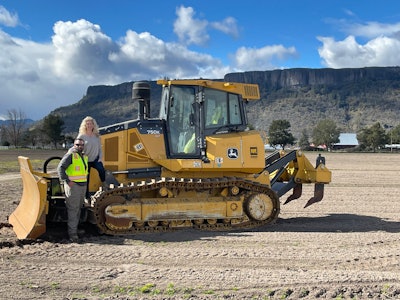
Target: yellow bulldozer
[{"x": 197, "y": 165}]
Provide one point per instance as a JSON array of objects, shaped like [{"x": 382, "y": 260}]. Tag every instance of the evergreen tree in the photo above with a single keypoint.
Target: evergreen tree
[
  {"x": 326, "y": 133},
  {"x": 52, "y": 127},
  {"x": 373, "y": 137},
  {"x": 279, "y": 134},
  {"x": 395, "y": 135},
  {"x": 304, "y": 141}
]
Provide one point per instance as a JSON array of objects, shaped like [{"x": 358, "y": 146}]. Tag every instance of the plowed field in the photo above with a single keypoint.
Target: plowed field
[{"x": 345, "y": 247}]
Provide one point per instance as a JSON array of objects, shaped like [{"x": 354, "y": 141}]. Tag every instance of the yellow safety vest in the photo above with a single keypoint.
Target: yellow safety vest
[
  {"x": 189, "y": 147},
  {"x": 78, "y": 170},
  {"x": 217, "y": 115}
]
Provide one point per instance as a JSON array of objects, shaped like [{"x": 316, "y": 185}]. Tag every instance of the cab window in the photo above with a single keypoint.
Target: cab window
[
  {"x": 235, "y": 117},
  {"x": 181, "y": 128},
  {"x": 221, "y": 109}
]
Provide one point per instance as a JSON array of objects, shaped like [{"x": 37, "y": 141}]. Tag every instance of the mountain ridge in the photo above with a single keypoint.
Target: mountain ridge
[{"x": 354, "y": 98}]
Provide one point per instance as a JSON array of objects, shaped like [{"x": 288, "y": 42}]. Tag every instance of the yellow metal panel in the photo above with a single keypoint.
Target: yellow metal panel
[
  {"x": 129, "y": 210},
  {"x": 234, "y": 209},
  {"x": 114, "y": 150},
  {"x": 234, "y": 152},
  {"x": 305, "y": 172},
  {"x": 111, "y": 149},
  {"x": 155, "y": 145},
  {"x": 247, "y": 90},
  {"x": 176, "y": 209},
  {"x": 182, "y": 209},
  {"x": 243, "y": 151},
  {"x": 324, "y": 175}
]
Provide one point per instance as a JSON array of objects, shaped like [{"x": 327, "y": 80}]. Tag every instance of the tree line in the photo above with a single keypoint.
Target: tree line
[
  {"x": 16, "y": 132},
  {"x": 327, "y": 133}
]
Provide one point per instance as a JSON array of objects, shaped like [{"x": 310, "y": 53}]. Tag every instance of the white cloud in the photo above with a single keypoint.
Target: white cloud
[
  {"x": 349, "y": 12},
  {"x": 372, "y": 29},
  {"x": 8, "y": 19},
  {"x": 40, "y": 77},
  {"x": 188, "y": 29},
  {"x": 366, "y": 44},
  {"x": 26, "y": 81},
  {"x": 257, "y": 59},
  {"x": 381, "y": 51},
  {"x": 81, "y": 50},
  {"x": 227, "y": 26},
  {"x": 191, "y": 30},
  {"x": 145, "y": 55}
]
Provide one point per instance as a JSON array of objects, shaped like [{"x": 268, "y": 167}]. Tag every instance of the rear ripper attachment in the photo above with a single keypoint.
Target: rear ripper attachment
[{"x": 290, "y": 171}]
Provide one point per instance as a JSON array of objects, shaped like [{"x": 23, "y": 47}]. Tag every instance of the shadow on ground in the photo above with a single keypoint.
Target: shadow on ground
[{"x": 329, "y": 223}]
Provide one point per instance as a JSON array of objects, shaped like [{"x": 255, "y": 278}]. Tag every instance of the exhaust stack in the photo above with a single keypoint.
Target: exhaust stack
[{"x": 141, "y": 93}]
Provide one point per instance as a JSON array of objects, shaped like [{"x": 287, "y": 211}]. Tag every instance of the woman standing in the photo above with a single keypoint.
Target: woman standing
[{"x": 89, "y": 132}]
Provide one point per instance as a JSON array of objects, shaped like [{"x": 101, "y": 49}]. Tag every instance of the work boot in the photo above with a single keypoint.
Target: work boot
[
  {"x": 104, "y": 186},
  {"x": 74, "y": 238}
]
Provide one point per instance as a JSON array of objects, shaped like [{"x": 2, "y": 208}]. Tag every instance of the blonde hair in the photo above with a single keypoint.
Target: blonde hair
[{"x": 83, "y": 129}]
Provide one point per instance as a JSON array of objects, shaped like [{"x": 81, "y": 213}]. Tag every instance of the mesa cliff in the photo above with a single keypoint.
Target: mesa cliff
[{"x": 354, "y": 98}]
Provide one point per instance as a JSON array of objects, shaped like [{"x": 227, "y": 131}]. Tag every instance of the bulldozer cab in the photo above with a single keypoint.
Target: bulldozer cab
[
  {"x": 192, "y": 112},
  {"x": 180, "y": 119}
]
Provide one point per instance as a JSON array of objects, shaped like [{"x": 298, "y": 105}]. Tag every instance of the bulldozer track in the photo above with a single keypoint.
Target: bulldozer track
[{"x": 247, "y": 187}]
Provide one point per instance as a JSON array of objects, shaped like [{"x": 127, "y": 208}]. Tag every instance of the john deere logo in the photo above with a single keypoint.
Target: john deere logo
[{"x": 233, "y": 153}]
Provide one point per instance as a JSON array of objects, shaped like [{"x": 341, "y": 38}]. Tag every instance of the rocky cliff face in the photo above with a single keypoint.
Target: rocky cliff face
[
  {"x": 102, "y": 92},
  {"x": 353, "y": 98},
  {"x": 290, "y": 78}
]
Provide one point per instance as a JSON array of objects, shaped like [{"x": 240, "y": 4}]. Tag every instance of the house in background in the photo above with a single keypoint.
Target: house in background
[{"x": 346, "y": 140}]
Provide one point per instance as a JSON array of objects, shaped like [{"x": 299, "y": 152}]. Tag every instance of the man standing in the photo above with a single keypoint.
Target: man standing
[{"x": 73, "y": 171}]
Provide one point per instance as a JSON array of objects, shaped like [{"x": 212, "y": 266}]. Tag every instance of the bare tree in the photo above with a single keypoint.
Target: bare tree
[
  {"x": 15, "y": 126},
  {"x": 32, "y": 136}
]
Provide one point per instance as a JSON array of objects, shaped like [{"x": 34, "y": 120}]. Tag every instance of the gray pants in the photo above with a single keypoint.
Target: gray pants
[{"x": 74, "y": 198}]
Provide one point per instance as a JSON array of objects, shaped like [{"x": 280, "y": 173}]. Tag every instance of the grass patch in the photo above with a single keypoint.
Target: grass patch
[
  {"x": 147, "y": 288},
  {"x": 55, "y": 285},
  {"x": 13, "y": 166},
  {"x": 9, "y": 166},
  {"x": 170, "y": 291},
  {"x": 9, "y": 159}
]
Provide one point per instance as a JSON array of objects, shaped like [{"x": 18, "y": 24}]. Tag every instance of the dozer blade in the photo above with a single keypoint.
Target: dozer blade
[
  {"x": 318, "y": 194},
  {"x": 29, "y": 218},
  {"x": 297, "y": 190}
]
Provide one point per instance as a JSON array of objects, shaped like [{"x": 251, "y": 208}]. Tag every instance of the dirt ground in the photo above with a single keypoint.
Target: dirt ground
[{"x": 345, "y": 247}]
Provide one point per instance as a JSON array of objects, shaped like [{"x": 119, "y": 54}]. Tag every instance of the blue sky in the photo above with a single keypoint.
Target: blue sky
[{"x": 51, "y": 51}]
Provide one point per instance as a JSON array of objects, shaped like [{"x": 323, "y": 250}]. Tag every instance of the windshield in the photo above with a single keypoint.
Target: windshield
[
  {"x": 221, "y": 109},
  {"x": 181, "y": 127}
]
